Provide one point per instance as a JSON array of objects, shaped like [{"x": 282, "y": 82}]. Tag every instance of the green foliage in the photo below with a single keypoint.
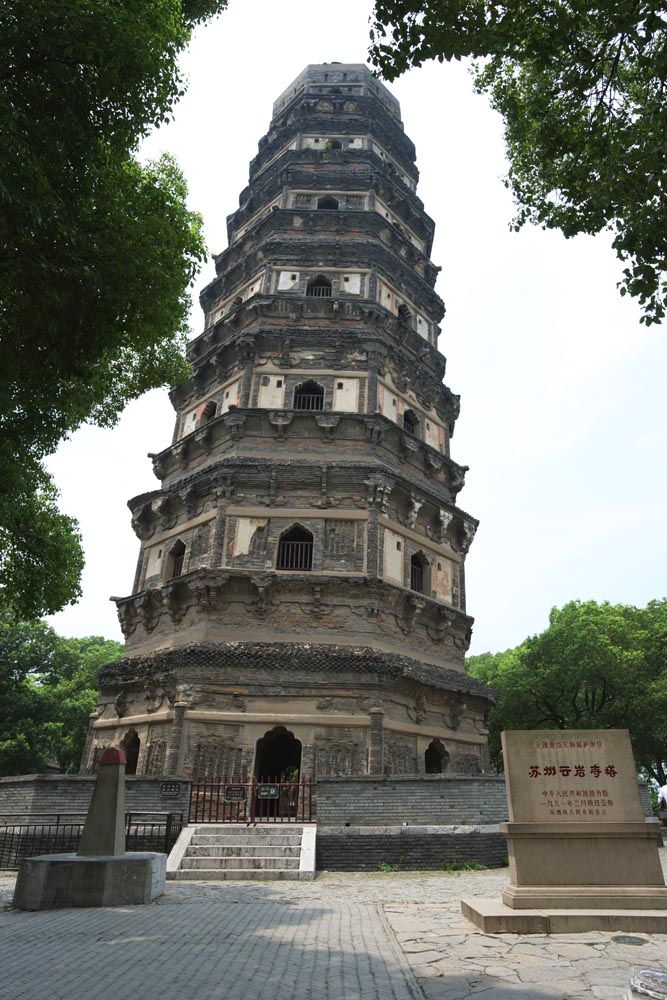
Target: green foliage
[
  {"x": 48, "y": 688},
  {"x": 97, "y": 252},
  {"x": 581, "y": 90},
  {"x": 463, "y": 866},
  {"x": 596, "y": 666},
  {"x": 384, "y": 866}
]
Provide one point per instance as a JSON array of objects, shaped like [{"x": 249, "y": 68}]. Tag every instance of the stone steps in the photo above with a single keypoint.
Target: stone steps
[
  {"x": 212, "y": 853},
  {"x": 239, "y": 861},
  {"x": 248, "y": 850}
]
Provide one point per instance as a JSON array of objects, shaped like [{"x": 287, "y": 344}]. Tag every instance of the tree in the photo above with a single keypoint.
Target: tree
[
  {"x": 48, "y": 688},
  {"x": 582, "y": 93},
  {"x": 596, "y": 666},
  {"x": 97, "y": 252}
]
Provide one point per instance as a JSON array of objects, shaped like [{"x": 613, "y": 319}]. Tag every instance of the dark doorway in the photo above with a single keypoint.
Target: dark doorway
[
  {"x": 278, "y": 756},
  {"x": 131, "y": 745},
  {"x": 436, "y": 757}
]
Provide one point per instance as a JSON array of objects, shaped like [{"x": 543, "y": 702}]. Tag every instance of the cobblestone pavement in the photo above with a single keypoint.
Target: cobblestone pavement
[{"x": 373, "y": 936}]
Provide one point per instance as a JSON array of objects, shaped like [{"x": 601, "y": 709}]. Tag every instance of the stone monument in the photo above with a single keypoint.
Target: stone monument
[
  {"x": 582, "y": 854},
  {"x": 101, "y": 873}
]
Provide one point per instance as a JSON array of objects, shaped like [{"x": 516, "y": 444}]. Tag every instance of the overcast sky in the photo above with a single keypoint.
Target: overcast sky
[{"x": 563, "y": 421}]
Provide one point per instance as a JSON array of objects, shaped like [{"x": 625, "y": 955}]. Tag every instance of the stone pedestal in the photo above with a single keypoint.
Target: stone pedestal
[
  {"x": 569, "y": 865},
  {"x": 101, "y": 873},
  {"x": 64, "y": 880}
]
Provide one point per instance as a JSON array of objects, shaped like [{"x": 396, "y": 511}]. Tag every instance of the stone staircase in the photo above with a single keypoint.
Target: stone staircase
[{"x": 225, "y": 851}]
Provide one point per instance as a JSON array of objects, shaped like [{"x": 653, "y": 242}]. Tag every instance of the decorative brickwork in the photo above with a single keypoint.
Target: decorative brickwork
[{"x": 300, "y": 586}]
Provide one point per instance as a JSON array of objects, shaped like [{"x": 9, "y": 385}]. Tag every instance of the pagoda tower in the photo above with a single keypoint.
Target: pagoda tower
[{"x": 299, "y": 600}]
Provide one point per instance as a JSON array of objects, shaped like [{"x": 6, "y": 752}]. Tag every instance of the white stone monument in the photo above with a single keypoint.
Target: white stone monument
[{"x": 582, "y": 854}]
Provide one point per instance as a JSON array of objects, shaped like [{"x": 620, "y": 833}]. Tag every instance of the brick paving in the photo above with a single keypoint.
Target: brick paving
[{"x": 380, "y": 936}]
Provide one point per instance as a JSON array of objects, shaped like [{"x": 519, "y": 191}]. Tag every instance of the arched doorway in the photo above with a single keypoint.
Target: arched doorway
[
  {"x": 131, "y": 744},
  {"x": 436, "y": 757},
  {"x": 278, "y": 756}
]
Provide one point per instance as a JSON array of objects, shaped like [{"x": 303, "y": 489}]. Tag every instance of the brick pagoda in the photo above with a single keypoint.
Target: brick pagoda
[{"x": 299, "y": 600}]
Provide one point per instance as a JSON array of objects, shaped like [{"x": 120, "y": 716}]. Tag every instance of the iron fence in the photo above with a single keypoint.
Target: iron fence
[
  {"x": 24, "y": 835},
  {"x": 261, "y": 800},
  {"x": 295, "y": 555},
  {"x": 308, "y": 401}
]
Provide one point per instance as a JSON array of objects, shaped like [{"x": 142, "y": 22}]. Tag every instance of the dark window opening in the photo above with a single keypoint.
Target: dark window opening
[
  {"x": 309, "y": 396},
  {"x": 334, "y": 143},
  {"x": 131, "y": 745},
  {"x": 319, "y": 288},
  {"x": 238, "y": 301},
  {"x": 176, "y": 559},
  {"x": 419, "y": 574},
  {"x": 328, "y": 202},
  {"x": 410, "y": 422},
  {"x": 208, "y": 412},
  {"x": 295, "y": 550},
  {"x": 436, "y": 757},
  {"x": 404, "y": 313}
]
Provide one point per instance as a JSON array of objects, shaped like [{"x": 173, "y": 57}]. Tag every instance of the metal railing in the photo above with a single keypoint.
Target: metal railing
[
  {"x": 295, "y": 555},
  {"x": 25, "y": 835},
  {"x": 260, "y": 800},
  {"x": 417, "y": 578},
  {"x": 319, "y": 291},
  {"x": 308, "y": 401}
]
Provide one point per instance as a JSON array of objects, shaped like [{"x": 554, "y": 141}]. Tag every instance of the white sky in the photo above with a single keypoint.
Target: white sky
[{"x": 563, "y": 422}]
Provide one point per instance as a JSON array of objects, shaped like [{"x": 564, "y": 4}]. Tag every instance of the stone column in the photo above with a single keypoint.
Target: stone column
[
  {"x": 376, "y": 752},
  {"x": 174, "y": 757},
  {"x": 88, "y": 748},
  {"x": 372, "y": 566}
]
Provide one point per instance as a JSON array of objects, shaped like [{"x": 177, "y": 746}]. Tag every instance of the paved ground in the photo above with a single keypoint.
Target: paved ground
[{"x": 396, "y": 936}]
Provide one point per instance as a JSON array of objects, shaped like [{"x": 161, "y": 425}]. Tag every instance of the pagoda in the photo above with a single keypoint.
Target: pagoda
[{"x": 299, "y": 601}]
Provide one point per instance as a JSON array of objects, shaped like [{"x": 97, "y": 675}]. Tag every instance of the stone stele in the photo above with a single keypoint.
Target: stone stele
[
  {"x": 582, "y": 854},
  {"x": 101, "y": 873}
]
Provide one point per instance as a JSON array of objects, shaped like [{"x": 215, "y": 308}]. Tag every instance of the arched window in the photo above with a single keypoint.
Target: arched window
[
  {"x": 238, "y": 301},
  {"x": 208, "y": 412},
  {"x": 175, "y": 560},
  {"x": 295, "y": 549},
  {"x": 410, "y": 422},
  {"x": 436, "y": 757},
  {"x": 319, "y": 288},
  {"x": 309, "y": 396},
  {"x": 404, "y": 313},
  {"x": 334, "y": 143},
  {"x": 131, "y": 744},
  {"x": 328, "y": 202},
  {"x": 420, "y": 574}
]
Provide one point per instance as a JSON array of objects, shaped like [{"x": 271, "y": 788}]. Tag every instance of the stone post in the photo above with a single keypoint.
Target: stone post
[
  {"x": 174, "y": 756},
  {"x": 104, "y": 829},
  {"x": 376, "y": 751}
]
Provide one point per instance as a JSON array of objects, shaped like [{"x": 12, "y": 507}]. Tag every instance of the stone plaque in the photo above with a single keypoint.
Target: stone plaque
[
  {"x": 268, "y": 791},
  {"x": 565, "y": 776},
  {"x": 170, "y": 789},
  {"x": 235, "y": 793}
]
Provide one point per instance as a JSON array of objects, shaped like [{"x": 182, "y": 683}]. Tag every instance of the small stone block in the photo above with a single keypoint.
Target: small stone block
[{"x": 67, "y": 880}]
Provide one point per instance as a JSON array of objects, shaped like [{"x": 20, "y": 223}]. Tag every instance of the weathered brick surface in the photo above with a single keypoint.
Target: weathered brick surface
[
  {"x": 45, "y": 793},
  {"x": 427, "y": 800},
  {"x": 410, "y": 849}
]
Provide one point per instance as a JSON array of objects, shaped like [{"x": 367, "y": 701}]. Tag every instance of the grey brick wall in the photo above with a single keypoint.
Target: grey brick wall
[
  {"x": 431, "y": 799},
  {"x": 47, "y": 793},
  {"x": 410, "y": 848}
]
